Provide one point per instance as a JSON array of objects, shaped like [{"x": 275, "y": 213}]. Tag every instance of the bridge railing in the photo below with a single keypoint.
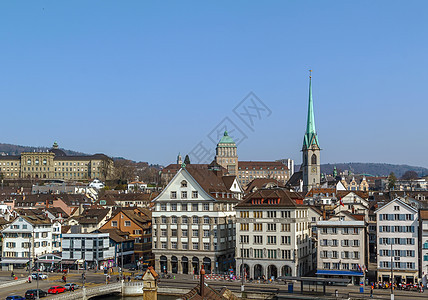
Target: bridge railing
[{"x": 97, "y": 290}]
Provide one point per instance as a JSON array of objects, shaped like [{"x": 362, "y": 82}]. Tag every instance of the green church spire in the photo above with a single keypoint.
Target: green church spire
[{"x": 311, "y": 134}]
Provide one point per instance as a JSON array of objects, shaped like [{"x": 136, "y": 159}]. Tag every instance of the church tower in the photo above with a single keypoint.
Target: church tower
[
  {"x": 311, "y": 150},
  {"x": 226, "y": 154}
]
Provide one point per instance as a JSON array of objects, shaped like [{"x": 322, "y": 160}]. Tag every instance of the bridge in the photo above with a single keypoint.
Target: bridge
[{"x": 127, "y": 288}]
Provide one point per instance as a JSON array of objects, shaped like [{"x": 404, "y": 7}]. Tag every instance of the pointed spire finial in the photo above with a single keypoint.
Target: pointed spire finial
[{"x": 310, "y": 74}]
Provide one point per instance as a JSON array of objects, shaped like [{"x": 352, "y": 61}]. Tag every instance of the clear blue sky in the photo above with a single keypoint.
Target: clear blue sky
[{"x": 145, "y": 80}]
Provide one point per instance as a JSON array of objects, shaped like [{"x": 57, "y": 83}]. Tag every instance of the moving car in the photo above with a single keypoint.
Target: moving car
[
  {"x": 32, "y": 294},
  {"x": 69, "y": 285},
  {"x": 15, "y": 298},
  {"x": 56, "y": 289}
]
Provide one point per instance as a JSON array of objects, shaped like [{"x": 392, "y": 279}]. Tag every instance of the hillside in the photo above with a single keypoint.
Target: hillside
[
  {"x": 10, "y": 149},
  {"x": 376, "y": 169}
]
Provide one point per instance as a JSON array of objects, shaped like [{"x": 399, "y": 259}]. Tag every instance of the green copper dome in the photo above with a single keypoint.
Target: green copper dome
[{"x": 226, "y": 139}]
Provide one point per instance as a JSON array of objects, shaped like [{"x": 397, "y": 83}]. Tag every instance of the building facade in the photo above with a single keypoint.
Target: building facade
[
  {"x": 194, "y": 222},
  {"x": 92, "y": 249},
  {"x": 29, "y": 237},
  {"x": 397, "y": 242},
  {"x": 342, "y": 249},
  {"x": 55, "y": 164},
  {"x": 273, "y": 235},
  {"x": 423, "y": 245}
]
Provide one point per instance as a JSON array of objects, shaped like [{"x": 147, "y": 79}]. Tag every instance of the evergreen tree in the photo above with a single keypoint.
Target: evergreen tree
[
  {"x": 187, "y": 160},
  {"x": 391, "y": 181}
]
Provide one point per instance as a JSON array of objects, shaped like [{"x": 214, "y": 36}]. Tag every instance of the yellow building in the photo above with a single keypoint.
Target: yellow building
[{"x": 55, "y": 164}]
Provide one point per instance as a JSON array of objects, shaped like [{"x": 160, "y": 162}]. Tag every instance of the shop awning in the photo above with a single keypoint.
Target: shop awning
[
  {"x": 14, "y": 261},
  {"x": 339, "y": 273},
  {"x": 68, "y": 261}
]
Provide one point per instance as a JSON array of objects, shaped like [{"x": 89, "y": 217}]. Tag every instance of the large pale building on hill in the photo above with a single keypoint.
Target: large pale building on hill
[{"x": 55, "y": 164}]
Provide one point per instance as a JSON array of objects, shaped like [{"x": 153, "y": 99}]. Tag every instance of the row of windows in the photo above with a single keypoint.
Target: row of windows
[
  {"x": 397, "y": 265},
  {"x": 343, "y": 243},
  {"x": 398, "y": 253},
  {"x": 396, "y": 217},
  {"x": 336, "y": 230},
  {"x": 184, "y": 207},
  {"x": 337, "y": 266},
  {"x": 272, "y": 227},
  {"x": 397, "y": 241},
  {"x": 27, "y": 244},
  {"x": 185, "y": 220},
  {"x": 185, "y": 246},
  {"x": 344, "y": 254},
  {"x": 184, "y": 194},
  {"x": 184, "y": 232},
  {"x": 396, "y": 228}
]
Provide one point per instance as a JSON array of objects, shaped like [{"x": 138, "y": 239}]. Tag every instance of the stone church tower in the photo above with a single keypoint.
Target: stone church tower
[
  {"x": 311, "y": 150},
  {"x": 226, "y": 154}
]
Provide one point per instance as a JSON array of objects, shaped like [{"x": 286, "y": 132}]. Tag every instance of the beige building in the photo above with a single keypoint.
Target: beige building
[
  {"x": 55, "y": 164},
  {"x": 194, "y": 222}
]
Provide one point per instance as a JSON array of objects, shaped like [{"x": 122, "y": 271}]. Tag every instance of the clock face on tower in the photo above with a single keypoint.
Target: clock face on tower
[{"x": 314, "y": 169}]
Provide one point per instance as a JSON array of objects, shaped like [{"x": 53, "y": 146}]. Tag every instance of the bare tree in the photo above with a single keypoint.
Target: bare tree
[{"x": 124, "y": 169}]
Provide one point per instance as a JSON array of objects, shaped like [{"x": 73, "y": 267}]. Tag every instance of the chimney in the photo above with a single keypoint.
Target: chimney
[{"x": 202, "y": 282}]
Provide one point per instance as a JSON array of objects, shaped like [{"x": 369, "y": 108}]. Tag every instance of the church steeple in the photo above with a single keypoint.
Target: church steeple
[
  {"x": 311, "y": 168},
  {"x": 311, "y": 137}
]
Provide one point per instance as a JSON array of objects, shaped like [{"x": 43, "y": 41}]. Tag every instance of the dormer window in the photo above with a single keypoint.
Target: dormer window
[{"x": 184, "y": 184}]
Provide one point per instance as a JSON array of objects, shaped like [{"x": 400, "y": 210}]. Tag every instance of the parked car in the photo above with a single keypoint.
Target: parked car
[
  {"x": 32, "y": 294},
  {"x": 56, "y": 289},
  {"x": 15, "y": 298},
  {"x": 69, "y": 285},
  {"x": 41, "y": 276},
  {"x": 139, "y": 277}
]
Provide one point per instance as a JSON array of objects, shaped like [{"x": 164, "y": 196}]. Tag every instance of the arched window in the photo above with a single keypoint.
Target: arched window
[
  {"x": 184, "y": 183},
  {"x": 314, "y": 159}
]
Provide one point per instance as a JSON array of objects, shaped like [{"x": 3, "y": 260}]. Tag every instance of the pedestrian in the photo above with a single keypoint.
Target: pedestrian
[
  {"x": 29, "y": 279},
  {"x": 72, "y": 288},
  {"x": 371, "y": 291},
  {"x": 129, "y": 278}
]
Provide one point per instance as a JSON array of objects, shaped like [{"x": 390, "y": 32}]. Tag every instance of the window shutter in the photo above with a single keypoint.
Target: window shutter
[
  {"x": 402, "y": 217},
  {"x": 380, "y": 229},
  {"x": 380, "y": 217},
  {"x": 380, "y": 241}
]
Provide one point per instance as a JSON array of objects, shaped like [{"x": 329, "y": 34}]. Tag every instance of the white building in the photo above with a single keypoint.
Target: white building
[
  {"x": 29, "y": 236},
  {"x": 90, "y": 248},
  {"x": 342, "y": 250},
  {"x": 194, "y": 222},
  {"x": 423, "y": 233},
  {"x": 273, "y": 234},
  {"x": 397, "y": 242},
  {"x": 97, "y": 184}
]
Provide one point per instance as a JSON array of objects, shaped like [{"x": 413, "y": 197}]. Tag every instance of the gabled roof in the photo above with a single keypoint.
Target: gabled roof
[
  {"x": 361, "y": 194},
  {"x": 394, "y": 201}
]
